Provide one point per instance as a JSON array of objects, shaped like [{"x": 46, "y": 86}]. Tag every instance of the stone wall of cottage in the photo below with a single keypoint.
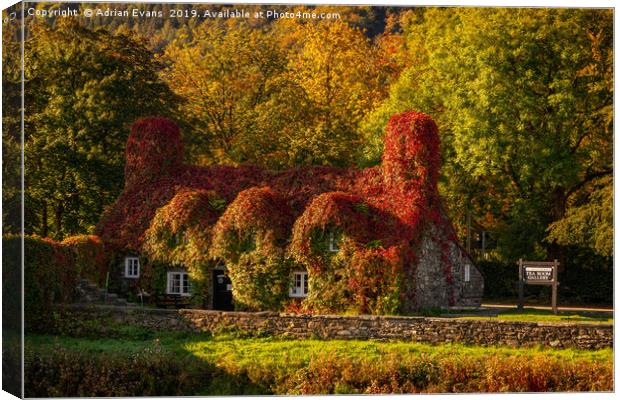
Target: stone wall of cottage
[
  {"x": 431, "y": 286},
  {"x": 415, "y": 329}
]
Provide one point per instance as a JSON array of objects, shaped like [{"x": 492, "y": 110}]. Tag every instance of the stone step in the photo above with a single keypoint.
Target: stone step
[
  {"x": 89, "y": 299},
  {"x": 90, "y": 293},
  {"x": 108, "y": 297}
]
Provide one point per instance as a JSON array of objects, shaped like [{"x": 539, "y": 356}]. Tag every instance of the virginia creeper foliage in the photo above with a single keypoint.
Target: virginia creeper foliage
[
  {"x": 263, "y": 223},
  {"x": 251, "y": 237}
]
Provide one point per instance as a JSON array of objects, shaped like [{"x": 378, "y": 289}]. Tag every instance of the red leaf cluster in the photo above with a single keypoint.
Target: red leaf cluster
[
  {"x": 259, "y": 214},
  {"x": 154, "y": 148},
  {"x": 91, "y": 259}
]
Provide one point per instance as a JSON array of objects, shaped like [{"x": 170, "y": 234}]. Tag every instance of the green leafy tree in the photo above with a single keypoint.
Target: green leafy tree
[
  {"x": 339, "y": 70},
  {"x": 523, "y": 98},
  {"x": 11, "y": 127},
  {"x": 278, "y": 96},
  {"x": 589, "y": 222},
  {"x": 83, "y": 89},
  {"x": 225, "y": 72}
]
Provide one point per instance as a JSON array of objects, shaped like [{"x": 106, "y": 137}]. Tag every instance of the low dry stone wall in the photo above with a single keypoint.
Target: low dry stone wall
[{"x": 417, "y": 329}]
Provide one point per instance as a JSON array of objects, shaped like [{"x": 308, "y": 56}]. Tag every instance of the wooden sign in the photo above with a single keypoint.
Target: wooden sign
[
  {"x": 539, "y": 273},
  {"x": 534, "y": 275}
]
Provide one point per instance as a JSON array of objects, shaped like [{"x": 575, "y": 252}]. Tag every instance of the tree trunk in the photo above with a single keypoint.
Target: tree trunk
[
  {"x": 555, "y": 251},
  {"x": 44, "y": 226},
  {"x": 58, "y": 215}
]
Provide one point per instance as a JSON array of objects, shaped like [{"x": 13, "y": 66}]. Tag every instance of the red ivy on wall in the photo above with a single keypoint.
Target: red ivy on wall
[
  {"x": 382, "y": 211},
  {"x": 251, "y": 237}
]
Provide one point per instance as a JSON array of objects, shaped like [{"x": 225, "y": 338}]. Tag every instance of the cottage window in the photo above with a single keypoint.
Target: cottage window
[
  {"x": 333, "y": 243},
  {"x": 299, "y": 287},
  {"x": 178, "y": 283},
  {"x": 467, "y": 273},
  {"x": 132, "y": 267}
]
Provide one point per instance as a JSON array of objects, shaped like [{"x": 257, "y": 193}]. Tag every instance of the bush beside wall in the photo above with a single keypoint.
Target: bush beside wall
[
  {"x": 49, "y": 277},
  {"x": 251, "y": 238},
  {"x": 151, "y": 372},
  {"x": 91, "y": 261},
  {"x": 51, "y": 273},
  {"x": 334, "y": 374}
]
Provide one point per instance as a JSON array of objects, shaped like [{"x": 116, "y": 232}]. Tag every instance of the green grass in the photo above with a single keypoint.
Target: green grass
[
  {"x": 272, "y": 351},
  {"x": 228, "y": 348},
  {"x": 537, "y": 315},
  {"x": 272, "y": 365}
]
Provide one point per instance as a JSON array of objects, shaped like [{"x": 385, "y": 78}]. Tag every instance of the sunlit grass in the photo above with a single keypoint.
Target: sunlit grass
[
  {"x": 271, "y": 350},
  {"x": 300, "y": 352},
  {"x": 537, "y": 315}
]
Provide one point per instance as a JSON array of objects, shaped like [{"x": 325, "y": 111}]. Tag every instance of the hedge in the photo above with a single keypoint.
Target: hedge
[
  {"x": 91, "y": 258},
  {"x": 151, "y": 372},
  {"x": 51, "y": 273}
]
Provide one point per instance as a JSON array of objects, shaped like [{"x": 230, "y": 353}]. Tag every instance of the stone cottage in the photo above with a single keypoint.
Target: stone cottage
[{"x": 322, "y": 239}]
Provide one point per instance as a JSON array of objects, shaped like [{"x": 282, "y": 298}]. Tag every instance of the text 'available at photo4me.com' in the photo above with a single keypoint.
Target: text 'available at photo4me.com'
[{"x": 182, "y": 13}]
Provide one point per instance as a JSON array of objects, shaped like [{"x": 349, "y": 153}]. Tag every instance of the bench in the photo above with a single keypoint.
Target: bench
[{"x": 172, "y": 301}]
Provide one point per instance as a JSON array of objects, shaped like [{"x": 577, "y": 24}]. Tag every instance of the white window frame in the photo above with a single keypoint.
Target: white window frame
[
  {"x": 333, "y": 243},
  {"x": 183, "y": 290},
  {"x": 300, "y": 290},
  {"x": 131, "y": 262},
  {"x": 467, "y": 274}
]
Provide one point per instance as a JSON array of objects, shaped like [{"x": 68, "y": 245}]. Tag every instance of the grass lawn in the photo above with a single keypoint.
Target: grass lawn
[
  {"x": 538, "y": 315},
  {"x": 270, "y": 365},
  {"x": 267, "y": 350}
]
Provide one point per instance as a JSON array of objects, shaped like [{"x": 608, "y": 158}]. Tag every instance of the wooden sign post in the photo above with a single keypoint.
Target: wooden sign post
[{"x": 539, "y": 273}]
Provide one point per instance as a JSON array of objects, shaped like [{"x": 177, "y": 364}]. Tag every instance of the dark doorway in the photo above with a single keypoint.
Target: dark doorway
[{"x": 222, "y": 291}]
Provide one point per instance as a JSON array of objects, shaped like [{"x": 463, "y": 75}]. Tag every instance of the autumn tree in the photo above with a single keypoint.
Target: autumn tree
[
  {"x": 83, "y": 88},
  {"x": 336, "y": 66},
  {"x": 523, "y": 98},
  {"x": 278, "y": 96},
  {"x": 224, "y": 72},
  {"x": 11, "y": 127}
]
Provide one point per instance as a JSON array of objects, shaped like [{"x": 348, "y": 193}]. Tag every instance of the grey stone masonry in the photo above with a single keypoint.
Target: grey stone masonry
[
  {"x": 90, "y": 293},
  {"x": 416, "y": 329},
  {"x": 431, "y": 286}
]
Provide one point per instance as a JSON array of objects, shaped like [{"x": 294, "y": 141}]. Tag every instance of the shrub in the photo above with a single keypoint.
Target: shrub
[
  {"x": 91, "y": 259},
  {"x": 180, "y": 235},
  {"x": 11, "y": 283},
  {"x": 375, "y": 280},
  {"x": 332, "y": 373},
  {"x": 51, "y": 271},
  {"x": 49, "y": 278},
  {"x": 500, "y": 280},
  {"x": 151, "y": 372}
]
